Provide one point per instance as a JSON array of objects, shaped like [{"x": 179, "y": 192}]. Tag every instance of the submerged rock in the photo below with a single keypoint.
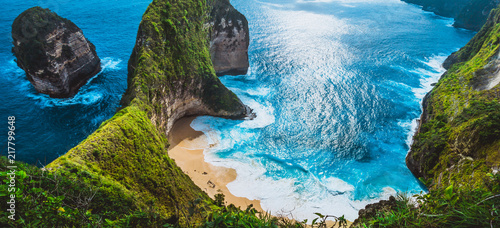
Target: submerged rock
[
  {"x": 229, "y": 39},
  {"x": 53, "y": 52}
]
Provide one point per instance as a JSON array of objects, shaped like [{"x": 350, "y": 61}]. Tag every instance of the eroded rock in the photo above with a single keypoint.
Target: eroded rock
[
  {"x": 229, "y": 39},
  {"x": 53, "y": 52}
]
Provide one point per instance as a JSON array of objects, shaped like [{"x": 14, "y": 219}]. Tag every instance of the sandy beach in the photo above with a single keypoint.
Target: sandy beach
[{"x": 186, "y": 148}]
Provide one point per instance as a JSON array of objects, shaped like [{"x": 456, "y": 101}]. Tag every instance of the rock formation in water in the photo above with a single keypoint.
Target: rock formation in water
[
  {"x": 170, "y": 76},
  {"x": 53, "y": 52},
  {"x": 229, "y": 39},
  {"x": 469, "y": 14},
  {"x": 458, "y": 139}
]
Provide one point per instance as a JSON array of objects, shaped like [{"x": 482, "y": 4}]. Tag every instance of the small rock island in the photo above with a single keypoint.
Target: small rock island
[
  {"x": 53, "y": 52},
  {"x": 229, "y": 39}
]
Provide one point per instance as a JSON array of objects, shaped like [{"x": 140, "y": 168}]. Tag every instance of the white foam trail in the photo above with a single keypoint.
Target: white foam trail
[
  {"x": 265, "y": 114},
  {"x": 331, "y": 196},
  {"x": 428, "y": 78},
  {"x": 85, "y": 98},
  {"x": 110, "y": 63}
]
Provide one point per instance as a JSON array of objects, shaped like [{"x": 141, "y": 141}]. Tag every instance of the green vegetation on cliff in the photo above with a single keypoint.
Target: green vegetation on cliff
[
  {"x": 131, "y": 155},
  {"x": 456, "y": 151},
  {"x": 121, "y": 174},
  {"x": 170, "y": 66},
  {"x": 76, "y": 198},
  {"x": 459, "y": 138},
  {"x": 442, "y": 207}
]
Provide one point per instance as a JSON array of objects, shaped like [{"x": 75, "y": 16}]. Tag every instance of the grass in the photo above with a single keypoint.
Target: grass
[
  {"x": 122, "y": 170},
  {"x": 462, "y": 129},
  {"x": 444, "y": 207}
]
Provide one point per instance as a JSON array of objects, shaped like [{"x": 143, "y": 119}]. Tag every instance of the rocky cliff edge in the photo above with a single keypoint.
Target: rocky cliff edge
[
  {"x": 170, "y": 76},
  {"x": 458, "y": 139}
]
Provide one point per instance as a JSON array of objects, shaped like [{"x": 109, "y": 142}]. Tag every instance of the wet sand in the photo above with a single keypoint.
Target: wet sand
[{"x": 186, "y": 148}]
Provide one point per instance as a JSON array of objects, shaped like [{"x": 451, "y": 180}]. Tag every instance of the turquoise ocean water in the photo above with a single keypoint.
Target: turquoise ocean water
[{"x": 336, "y": 85}]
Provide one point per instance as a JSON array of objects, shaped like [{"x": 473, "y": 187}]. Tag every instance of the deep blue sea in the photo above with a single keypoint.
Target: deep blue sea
[{"x": 336, "y": 85}]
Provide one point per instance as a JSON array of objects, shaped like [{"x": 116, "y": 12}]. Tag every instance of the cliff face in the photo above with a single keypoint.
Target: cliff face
[
  {"x": 456, "y": 149},
  {"x": 170, "y": 76},
  {"x": 458, "y": 140},
  {"x": 170, "y": 67},
  {"x": 53, "y": 52},
  {"x": 229, "y": 39},
  {"x": 469, "y": 14}
]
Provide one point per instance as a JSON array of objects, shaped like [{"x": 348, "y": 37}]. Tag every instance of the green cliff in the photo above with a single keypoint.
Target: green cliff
[
  {"x": 121, "y": 174},
  {"x": 469, "y": 14},
  {"x": 170, "y": 76},
  {"x": 458, "y": 140},
  {"x": 456, "y": 149}
]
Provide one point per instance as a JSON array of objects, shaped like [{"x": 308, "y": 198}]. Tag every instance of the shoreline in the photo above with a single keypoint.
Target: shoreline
[{"x": 187, "y": 148}]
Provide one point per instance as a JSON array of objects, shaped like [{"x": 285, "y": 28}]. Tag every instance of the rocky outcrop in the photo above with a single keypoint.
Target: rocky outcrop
[
  {"x": 475, "y": 44},
  {"x": 170, "y": 76},
  {"x": 170, "y": 68},
  {"x": 458, "y": 139},
  {"x": 375, "y": 209},
  {"x": 53, "y": 52},
  {"x": 229, "y": 39},
  {"x": 469, "y": 14}
]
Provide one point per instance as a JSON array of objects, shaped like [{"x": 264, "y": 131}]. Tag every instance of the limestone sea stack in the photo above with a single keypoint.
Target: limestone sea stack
[
  {"x": 53, "y": 52},
  {"x": 229, "y": 39}
]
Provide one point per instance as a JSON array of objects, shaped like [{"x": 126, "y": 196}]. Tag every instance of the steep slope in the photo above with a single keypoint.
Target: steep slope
[
  {"x": 456, "y": 149},
  {"x": 170, "y": 69},
  {"x": 170, "y": 76},
  {"x": 469, "y": 14},
  {"x": 458, "y": 140}
]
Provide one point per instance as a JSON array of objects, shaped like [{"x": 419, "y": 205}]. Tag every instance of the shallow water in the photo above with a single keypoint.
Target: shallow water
[{"x": 336, "y": 86}]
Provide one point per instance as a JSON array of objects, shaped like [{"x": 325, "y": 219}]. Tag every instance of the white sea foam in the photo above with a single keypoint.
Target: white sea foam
[
  {"x": 290, "y": 197},
  {"x": 264, "y": 112},
  {"x": 283, "y": 196},
  {"x": 85, "y": 98},
  {"x": 409, "y": 126},
  {"x": 86, "y": 95},
  {"x": 201, "y": 124},
  {"x": 110, "y": 63},
  {"x": 429, "y": 76}
]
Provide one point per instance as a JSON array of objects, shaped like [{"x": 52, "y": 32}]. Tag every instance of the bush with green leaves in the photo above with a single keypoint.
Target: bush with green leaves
[{"x": 444, "y": 207}]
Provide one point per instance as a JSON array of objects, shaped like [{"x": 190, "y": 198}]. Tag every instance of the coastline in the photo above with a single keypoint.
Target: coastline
[{"x": 186, "y": 148}]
